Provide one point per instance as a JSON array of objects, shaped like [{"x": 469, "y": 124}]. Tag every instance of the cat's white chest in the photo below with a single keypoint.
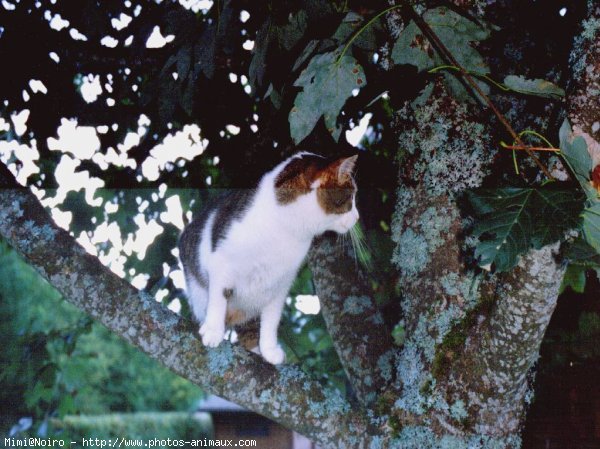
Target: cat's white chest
[{"x": 263, "y": 270}]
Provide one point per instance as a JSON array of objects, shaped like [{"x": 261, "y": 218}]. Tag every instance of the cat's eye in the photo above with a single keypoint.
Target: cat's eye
[{"x": 340, "y": 202}]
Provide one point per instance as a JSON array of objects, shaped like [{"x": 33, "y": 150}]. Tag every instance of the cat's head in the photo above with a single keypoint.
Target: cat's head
[{"x": 325, "y": 188}]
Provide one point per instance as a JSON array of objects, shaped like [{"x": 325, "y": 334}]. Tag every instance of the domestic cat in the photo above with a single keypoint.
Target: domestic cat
[{"x": 242, "y": 253}]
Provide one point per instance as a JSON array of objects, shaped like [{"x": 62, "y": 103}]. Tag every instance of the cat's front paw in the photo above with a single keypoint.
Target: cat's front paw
[
  {"x": 273, "y": 354},
  {"x": 212, "y": 336}
]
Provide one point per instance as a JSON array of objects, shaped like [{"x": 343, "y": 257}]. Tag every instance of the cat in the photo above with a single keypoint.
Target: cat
[{"x": 242, "y": 253}]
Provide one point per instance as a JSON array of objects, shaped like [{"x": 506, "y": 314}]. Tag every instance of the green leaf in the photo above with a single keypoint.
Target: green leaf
[
  {"x": 184, "y": 60},
  {"x": 591, "y": 225},
  {"x": 455, "y": 31},
  {"x": 204, "y": 52},
  {"x": 257, "y": 69},
  {"x": 574, "y": 278},
  {"x": 47, "y": 375},
  {"x": 577, "y": 156},
  {"x": 348, "y": 26},
  {"x": 508, "y": 223},
  {"x": 575, "y": 153},
  {"x": 539, "y": 87},
  {"x": 558, "y": 211},
  {"x": 334, "y": 128},
  {"x": 38, "y": 394},
  {"x": 327, "y": 83},
  {"x": 168, "y": 94},
  {"x": 353, "y": 23},
  {"x": 290, "y": 34},
  {"x": 186, "y": 99},
  {"x": 412, "y": 47},
  {"x": 513, "y": 220},
  {"x": 66, "y": 406},
  {"x": 581, "y": 253},
  {"x": 458, "y": 90},
  {"x": 308, "y": 50},
  {"x": 82, "y": 212},
  {"x": 582, "y": 257},
  {"x": 274, "y": 96}
]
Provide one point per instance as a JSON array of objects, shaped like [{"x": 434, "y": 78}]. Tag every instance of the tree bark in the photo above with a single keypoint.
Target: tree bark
[
  {"x": 353, "y": 319},
  {"x": 583, "y": 104},
  {"x": 502, "y": 349}
]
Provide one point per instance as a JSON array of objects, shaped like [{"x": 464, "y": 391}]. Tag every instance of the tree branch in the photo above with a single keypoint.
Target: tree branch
[
  {"x": 353, "y": 319},
  {"x": 503, "y": 349},
  {"x": 284, "y": 394}
]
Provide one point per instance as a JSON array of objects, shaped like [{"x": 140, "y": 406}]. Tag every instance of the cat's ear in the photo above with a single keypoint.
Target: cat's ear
[
  {"x": 338, "y": 171},
  {"x": 346, "y": 167}
]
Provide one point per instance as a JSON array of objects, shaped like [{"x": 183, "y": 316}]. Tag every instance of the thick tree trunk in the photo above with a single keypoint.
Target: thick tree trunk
[
  {"x": 583, "y": 98},
  {"x": 473, "y": 337}
]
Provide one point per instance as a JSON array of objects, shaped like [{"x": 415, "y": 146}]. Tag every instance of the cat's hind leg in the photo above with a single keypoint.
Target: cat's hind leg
[
  {"x": 269, "y": 323},
  {"x": 213, "y": 329}
]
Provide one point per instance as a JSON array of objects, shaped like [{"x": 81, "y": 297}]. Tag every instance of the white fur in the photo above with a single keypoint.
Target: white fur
[{"x": 259, "y": 259}]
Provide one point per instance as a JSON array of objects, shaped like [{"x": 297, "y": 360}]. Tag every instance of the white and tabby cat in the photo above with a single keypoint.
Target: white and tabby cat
[{"x": 241, "y": 255}]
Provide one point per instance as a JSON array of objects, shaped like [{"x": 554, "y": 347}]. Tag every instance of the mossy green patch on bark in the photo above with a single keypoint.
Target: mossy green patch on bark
[{"x": 454, "y": 342}]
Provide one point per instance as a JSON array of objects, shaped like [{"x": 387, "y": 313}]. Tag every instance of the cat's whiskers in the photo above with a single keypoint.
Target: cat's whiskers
[
  {"x": 353, "y": 241},
  {"x": 360, "y": 246},
  {"x": 345, "y": 247},
  {"x": 339, "y": 242}
]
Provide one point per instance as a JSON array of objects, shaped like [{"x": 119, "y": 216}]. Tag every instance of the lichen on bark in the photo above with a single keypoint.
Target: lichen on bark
[
  {"x": 438, "y": 288},
  {"x": 362, "y": 344},
  {"x": 583, "y": 105},
  {"x": 501, "y": 353},
  {"x": 446, "y": 305}
]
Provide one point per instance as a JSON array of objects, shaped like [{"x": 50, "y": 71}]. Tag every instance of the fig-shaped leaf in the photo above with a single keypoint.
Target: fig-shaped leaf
[
  {"x": 513, "y": 220},
  {"x": 327, "y": 82}
]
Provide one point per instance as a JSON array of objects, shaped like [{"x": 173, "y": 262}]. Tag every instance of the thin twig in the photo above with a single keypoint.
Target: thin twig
[
  {"x": 367, "y": 25},
  {"x": 521, "y": 147},
  {"x": 435, "y": 40}
]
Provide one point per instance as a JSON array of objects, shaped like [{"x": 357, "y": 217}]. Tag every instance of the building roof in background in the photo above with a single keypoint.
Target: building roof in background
[{"x": 216, "y": 404}]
